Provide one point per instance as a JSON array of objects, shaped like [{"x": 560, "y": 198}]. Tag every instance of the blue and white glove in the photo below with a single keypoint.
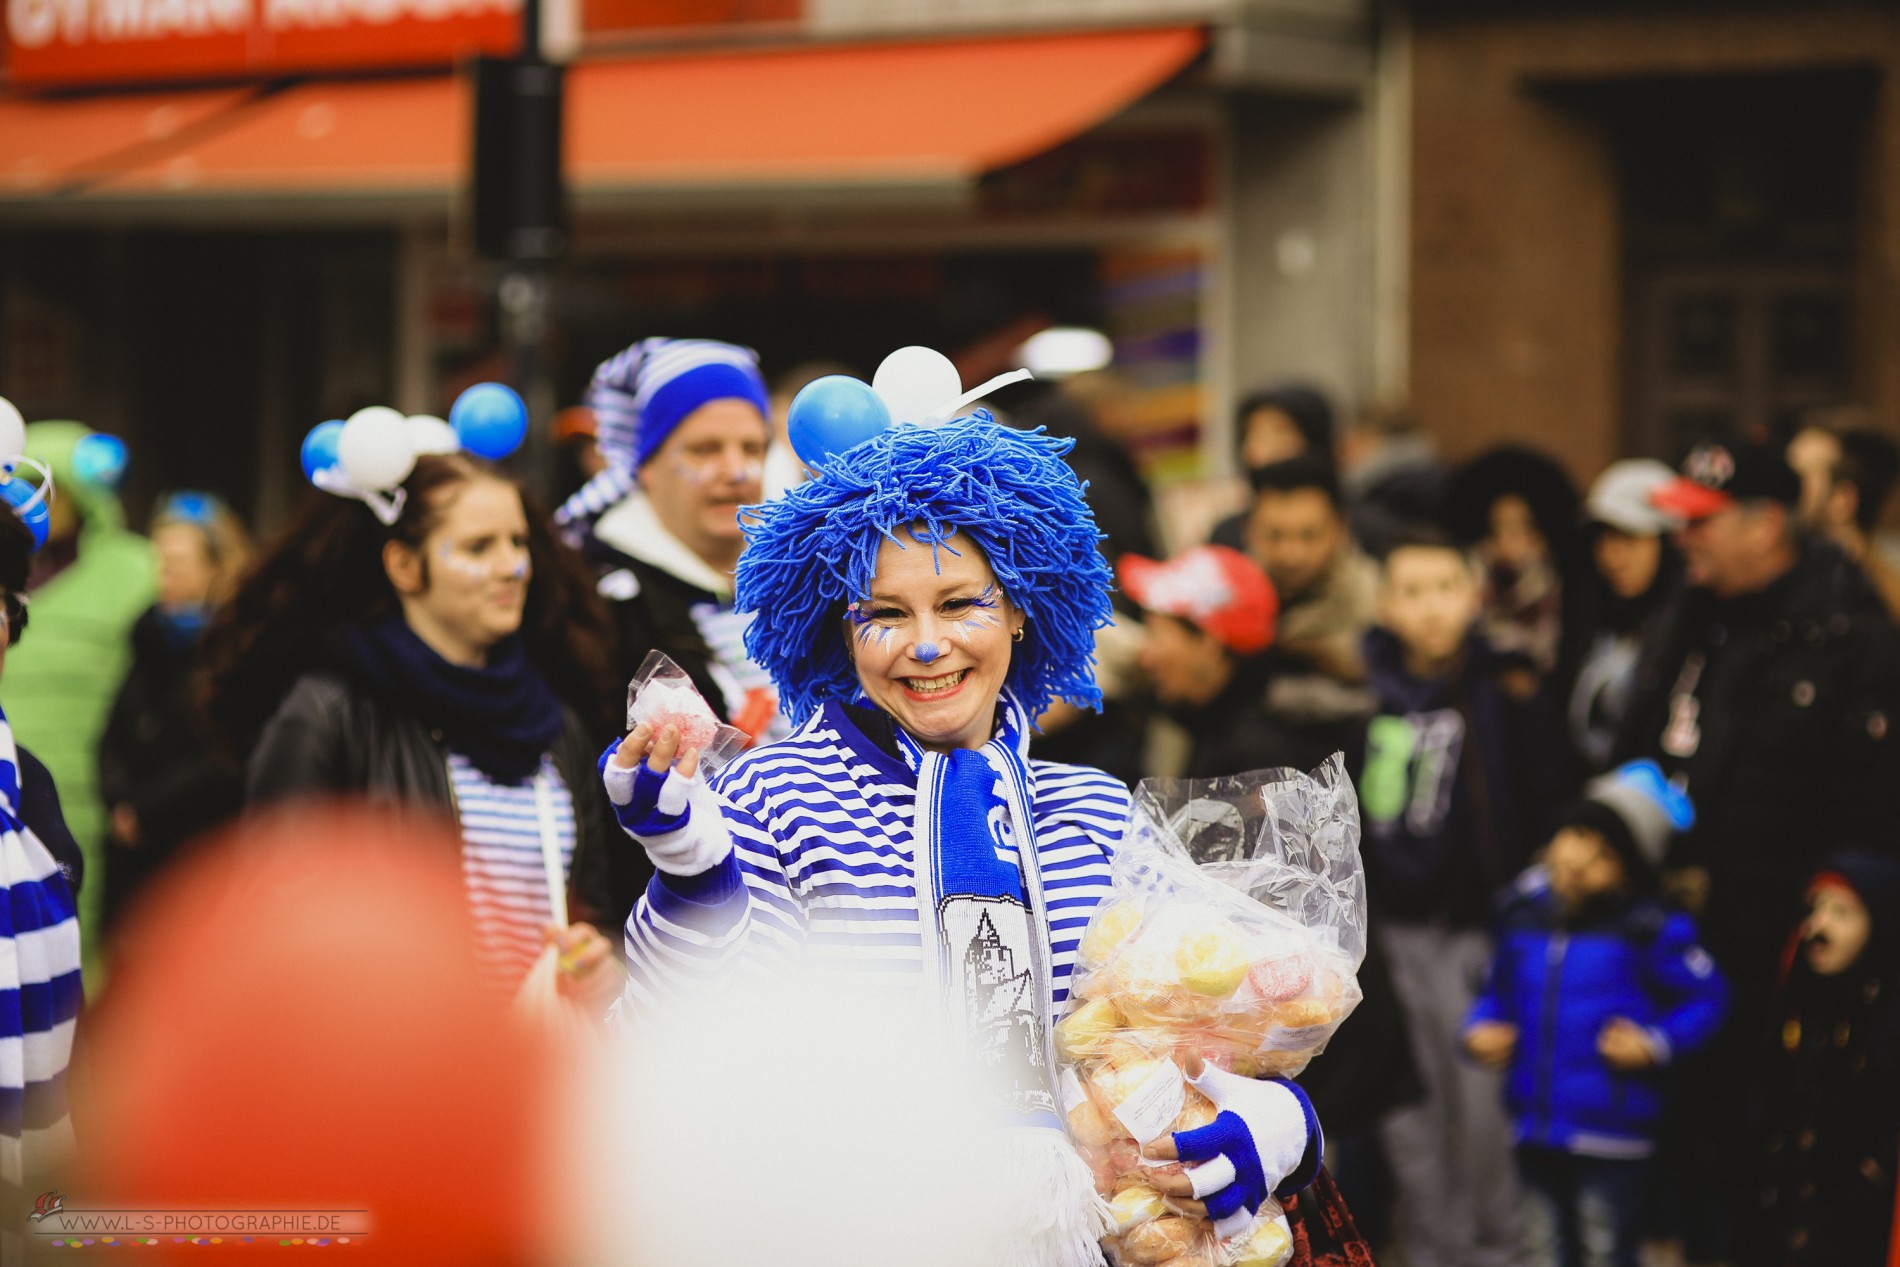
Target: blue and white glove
[
  {"x": 658, "y": 811},
  {"x": 1266, "y": 1142}
]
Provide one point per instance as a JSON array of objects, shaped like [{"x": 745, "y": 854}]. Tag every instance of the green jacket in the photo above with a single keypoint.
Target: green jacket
[{"x": 61, "y": 679}]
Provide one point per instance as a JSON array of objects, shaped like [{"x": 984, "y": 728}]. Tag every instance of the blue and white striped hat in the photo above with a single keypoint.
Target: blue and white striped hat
[{"x": 640, "y": 396}]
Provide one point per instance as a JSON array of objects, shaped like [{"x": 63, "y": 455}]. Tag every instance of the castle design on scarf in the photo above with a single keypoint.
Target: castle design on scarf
[{"x": 1000, "y": 1010}]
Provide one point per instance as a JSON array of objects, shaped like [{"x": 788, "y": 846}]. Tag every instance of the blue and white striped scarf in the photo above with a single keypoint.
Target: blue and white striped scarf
[
  {"x": 984, "y": 923},
  {"x": 40, "y": 988}
]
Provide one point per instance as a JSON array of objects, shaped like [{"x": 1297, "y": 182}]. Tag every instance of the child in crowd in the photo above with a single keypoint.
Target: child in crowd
[
  {"x": 1596, "y": 986},
  {"x": 1458, "y": 767},
  {"x": 1830, "y": 1108}
]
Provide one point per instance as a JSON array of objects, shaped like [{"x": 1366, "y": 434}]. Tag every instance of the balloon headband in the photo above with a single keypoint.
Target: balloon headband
[
  {"x": 367, "y": 457},
  {"x": 32, "y": 503},
  {"x": 914, "y": 385}
]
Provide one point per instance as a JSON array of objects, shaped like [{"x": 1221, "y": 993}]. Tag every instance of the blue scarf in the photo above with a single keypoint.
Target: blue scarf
[
  {"x": 979, "y": 892},
  {"x": 985, "y": 930},
  {"x": 42, "y": 974},
  {"x": 503, "y": 716}
]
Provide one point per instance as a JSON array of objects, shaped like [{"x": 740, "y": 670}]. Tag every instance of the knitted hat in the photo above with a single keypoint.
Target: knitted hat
[
  {"x": 1875, "y": 879},
  {"x": 1637, "y": 811},
  {"x": 642, "y": 395}
]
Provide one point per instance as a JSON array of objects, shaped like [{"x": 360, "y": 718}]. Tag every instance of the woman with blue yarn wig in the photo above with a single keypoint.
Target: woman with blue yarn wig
[{"x": 919, "y": 603}]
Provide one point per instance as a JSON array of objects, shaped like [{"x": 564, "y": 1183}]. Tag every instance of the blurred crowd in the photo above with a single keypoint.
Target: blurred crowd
[{"x": 1622, "y": 752}]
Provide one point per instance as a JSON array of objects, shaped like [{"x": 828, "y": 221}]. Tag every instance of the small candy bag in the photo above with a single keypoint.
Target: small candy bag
[{"x": 661, "y": 694}]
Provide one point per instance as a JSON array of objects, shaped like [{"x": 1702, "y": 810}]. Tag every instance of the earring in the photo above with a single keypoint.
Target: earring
[{"x": 1018, "y": 635}]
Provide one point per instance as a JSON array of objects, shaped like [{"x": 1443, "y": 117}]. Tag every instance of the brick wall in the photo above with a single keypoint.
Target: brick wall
[{"x": 1515, "y": 298}]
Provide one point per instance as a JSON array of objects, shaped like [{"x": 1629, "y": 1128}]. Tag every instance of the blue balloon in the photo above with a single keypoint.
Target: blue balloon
[
  {"x": 17, "y": 492},
  {"x": 99, "y": 460},
  {"x": 833, "y": 414},
  {"x": 319, "y": 447},
  {"x": 490, "y": 420}
]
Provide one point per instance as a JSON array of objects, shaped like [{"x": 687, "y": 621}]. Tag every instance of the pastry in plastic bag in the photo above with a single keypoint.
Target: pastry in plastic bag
[
  {"x": 1196, "y": 1111},
  {"x": 1159, "y": 1240},
  {"x": 1245, "y": 962},
  {"x": 1135, "y": 1202},
  {"x": 1109, "y": 929},
  {"x": 1268, "y": 1243},
  {"x": 1212, "y": 959},
  {"x": 1144, "y": 1092},
  {"x": 1079, "y": 1034}
]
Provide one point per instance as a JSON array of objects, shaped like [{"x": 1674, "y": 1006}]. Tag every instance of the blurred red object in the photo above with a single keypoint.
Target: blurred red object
[
  {"x": 576, "y": 422},
  {"x": 297, "y": 1022}
]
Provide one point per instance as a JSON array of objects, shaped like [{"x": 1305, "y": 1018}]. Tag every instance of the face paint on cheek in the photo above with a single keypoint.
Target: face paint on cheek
[
  {"x": 461, "y": 565},
  {"x": 983, "y": 614}
]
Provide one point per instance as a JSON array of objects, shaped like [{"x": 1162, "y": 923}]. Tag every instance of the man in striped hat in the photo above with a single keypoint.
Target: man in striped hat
[{"x": 682, "y": 426}]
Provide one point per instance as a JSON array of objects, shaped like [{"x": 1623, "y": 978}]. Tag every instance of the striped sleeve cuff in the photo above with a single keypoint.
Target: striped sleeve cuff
[{"x": 712, "y": 901}]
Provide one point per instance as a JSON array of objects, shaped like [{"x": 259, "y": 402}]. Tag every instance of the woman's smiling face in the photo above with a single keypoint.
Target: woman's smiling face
[{"x": 931, "y": 641}]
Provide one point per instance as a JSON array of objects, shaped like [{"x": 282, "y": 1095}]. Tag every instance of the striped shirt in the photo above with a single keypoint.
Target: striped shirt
[
  {"x": 502, "y": 864},
  {"x": 40, "y": 988},
  {"x": 823, "y": 866}
]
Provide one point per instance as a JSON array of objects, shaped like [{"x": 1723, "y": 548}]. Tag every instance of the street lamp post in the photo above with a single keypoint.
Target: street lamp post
[{"x": 520, "y": 205}]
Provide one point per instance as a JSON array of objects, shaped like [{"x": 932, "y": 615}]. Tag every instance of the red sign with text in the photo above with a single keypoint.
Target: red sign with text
[{"x": 54, "y": 43}]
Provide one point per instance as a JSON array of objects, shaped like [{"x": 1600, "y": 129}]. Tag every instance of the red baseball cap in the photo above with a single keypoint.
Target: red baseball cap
[{"x": 1219, "y": 590}]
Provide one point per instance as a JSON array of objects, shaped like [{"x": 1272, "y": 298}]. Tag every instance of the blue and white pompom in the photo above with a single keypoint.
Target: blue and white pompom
[
  {"x": 33, "y": 503},
  {"x": 367, "y": 456},
  {"x": 913, "y": 385}
]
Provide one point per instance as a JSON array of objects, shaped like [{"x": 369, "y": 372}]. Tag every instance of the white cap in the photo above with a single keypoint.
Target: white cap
[{"x": 1621, "y": 497}]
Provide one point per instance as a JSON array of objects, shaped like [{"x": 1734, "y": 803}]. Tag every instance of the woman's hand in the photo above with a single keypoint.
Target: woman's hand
[
  {"x": 650, "y": 795},
  {"x": 650, "y": 782},
  {"x": 586, "y": 962},
  {"x": 660, "y": 752},
  {"x": 1259, "y": 1144}
]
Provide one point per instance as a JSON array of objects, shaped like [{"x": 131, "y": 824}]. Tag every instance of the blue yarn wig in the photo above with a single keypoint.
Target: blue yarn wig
[{"x": 814, "y": 550}]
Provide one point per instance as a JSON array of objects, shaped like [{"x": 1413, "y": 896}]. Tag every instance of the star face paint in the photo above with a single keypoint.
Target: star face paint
[{"x": 927, "y": 652}]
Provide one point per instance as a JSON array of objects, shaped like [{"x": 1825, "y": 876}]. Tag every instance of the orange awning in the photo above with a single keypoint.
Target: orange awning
[
  {"x": 923, "y": 112},
  {"x": 949, "y": 109}
]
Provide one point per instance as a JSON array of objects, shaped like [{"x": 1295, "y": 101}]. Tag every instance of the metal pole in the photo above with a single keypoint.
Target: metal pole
[{"x": 535, "y": 241}]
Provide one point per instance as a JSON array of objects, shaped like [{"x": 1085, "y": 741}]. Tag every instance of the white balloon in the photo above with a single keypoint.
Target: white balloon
[
  {"x": 429, "y": 434},
  {"x": 915, "y": 382},
  {"x": 374, "y": 449},
  {"x": 12, "y": 431}
]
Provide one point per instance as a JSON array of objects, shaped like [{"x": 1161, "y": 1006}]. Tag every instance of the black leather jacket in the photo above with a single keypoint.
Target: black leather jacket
[{"x": 333, "y": 736}]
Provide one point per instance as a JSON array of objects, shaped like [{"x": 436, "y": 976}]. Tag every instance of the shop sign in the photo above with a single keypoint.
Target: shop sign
[{"x": 58, "y": 43}]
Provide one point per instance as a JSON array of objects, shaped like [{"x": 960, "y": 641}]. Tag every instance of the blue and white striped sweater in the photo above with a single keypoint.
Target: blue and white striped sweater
[
  {"x": 822, "y": 866},
  {"x": 40, "y": 989}
]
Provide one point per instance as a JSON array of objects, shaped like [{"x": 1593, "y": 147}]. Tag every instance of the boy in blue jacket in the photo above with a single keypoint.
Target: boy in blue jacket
[{"x": 1596, "y": 985}]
